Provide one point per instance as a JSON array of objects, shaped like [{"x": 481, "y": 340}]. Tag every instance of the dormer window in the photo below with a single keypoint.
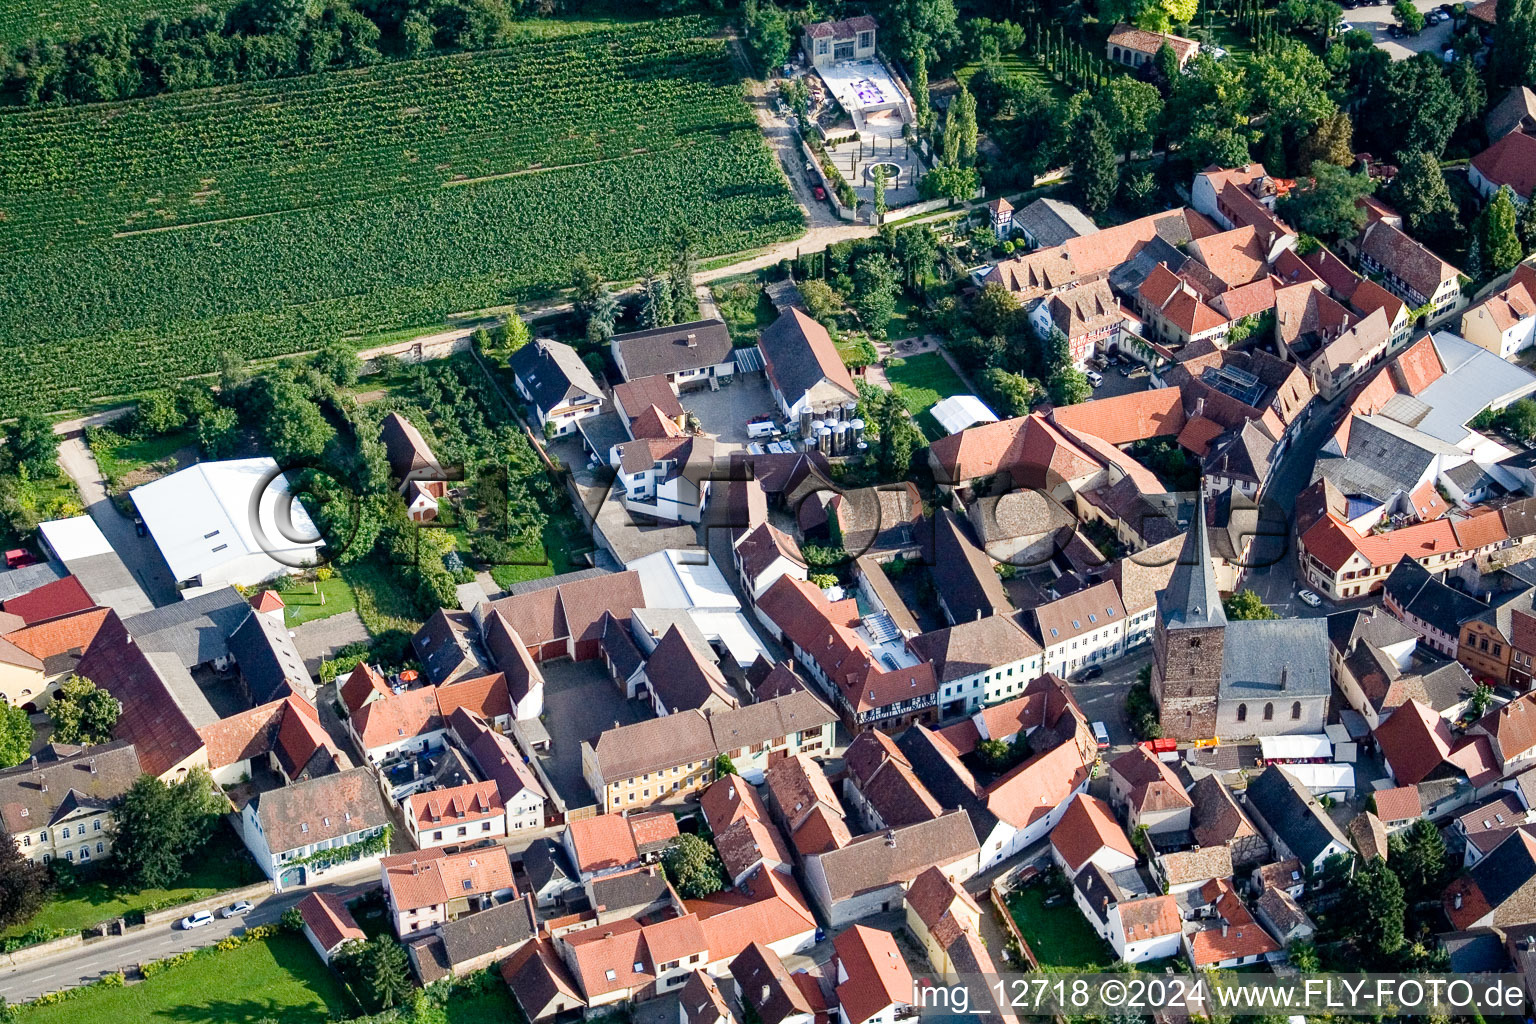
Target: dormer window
[{"x": 303, "y": 826}]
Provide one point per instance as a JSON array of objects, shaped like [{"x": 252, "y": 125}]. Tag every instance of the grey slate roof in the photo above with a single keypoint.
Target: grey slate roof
[
  {"x": 269, "y": 663},
  {"x": 32, "y": 795},
  {"x": 1052, "y": 222},
  {"x": 552, "y": 372},
  {"x": 1293, "y": 814},
  {"x": 963, "y": 572},
  {"x": 196, "y": 630},
  {"x": 1275, "y": 658},
  {"x": 631, "y": 890},
  {"x": 1398, "y": 452},
  {"x": 666, "y": 350},
  {"x": 1425, "y": 596},
  {"x": 15, "y": 582},
  {"x": 1372, "y": 625},
  {"x": 545, "y": 865},
  {"x": 1352, "y": 478},
  {"x": 1469, "y": 476},
  {"x": 504, "y": 927},
  {"x": 1191, "y": 599}
]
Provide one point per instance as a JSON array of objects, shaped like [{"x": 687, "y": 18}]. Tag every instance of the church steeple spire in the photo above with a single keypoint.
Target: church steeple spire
[{"x": 1191, "y": 600}]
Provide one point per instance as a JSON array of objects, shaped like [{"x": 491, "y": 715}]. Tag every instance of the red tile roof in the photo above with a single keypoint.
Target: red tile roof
[
  {"x": 267, "y": 601},
  {"x": 1427, "y": 503},
  {"x": 398, "y": 716},
  {"x": 1399, "y": 803},
  {"x": 486, "y": 696},
  {"x": 603, "y": 843},
  {"x": 62, "y": 635},
  {"x": 766, "y": 908},
  {"x": 61, "y": 597},
  {"x": 1233, "y": 934},
  {"x": 1038, "y": 786},
  {"x": 1414, "y": 740},
  {"x": 1510, "y": 161},
  {"x": 1480, "y": 531},
  {"x": 327, "y": 917},
  {"x": 1086, "y": 827},
  {"x": 363, "y": 685},
  {"x": 1332, "y": 543},
  {"x": 877, "y": 973},
  {"x": 429, "y": 878},
  {"x": 457, "y": 805},
  {"x": 652, "y": 829},
  {"x": 1151, "y": 785},
  {"x": 1125, "y": 418}
]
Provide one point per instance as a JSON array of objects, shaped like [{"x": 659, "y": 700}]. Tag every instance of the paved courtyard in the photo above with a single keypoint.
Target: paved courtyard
[
  {"x": 1377, "y": 19},
  {"x": 725, "y": 413},
  {"x": 580, "y": 701}
]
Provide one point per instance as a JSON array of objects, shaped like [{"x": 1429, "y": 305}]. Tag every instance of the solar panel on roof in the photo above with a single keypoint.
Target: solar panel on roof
[
  {"x": 881, "y": 629},
  {"x": 1236, "y": 383}
]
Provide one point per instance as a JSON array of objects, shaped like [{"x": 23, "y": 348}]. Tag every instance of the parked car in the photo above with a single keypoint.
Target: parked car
[
  {"x": 1101, "y": 735},
  {"x": 1395, "y": 31},
  {"x": 196, "y": 920},
  {"x": 1095, "y": 379},
  {"x": 1310, "y": 599},
  {"x": 1450, "y": 56},
  {"x": 820, "y": 193},
  {"x": 237, "y": 909},
  {"x": 761, "y": 428},
  {"x": 1345, "y": 26},
  {"x": 1091, "y": 672}
]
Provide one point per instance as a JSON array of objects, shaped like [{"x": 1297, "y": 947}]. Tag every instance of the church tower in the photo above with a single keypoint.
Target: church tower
[{"x": 1188, "y": 639}]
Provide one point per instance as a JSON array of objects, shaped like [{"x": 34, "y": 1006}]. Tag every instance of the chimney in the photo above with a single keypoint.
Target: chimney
[
  {"x": 693, "y": 340},
  {"x": 767, "y": 991},
  {"x": 1223, "y": 927},
  {"x": 1456, "y": 903},
  {"x": 890, "y": 838},
  {"x": 92, "y": 763}
]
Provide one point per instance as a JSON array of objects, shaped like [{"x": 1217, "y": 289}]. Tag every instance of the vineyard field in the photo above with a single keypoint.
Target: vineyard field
[
  {"x": 137, "y": 240},
  {"x": 21, "y": 20}
]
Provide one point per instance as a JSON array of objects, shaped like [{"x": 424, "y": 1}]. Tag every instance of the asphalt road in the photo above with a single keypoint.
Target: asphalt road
[{"x": 76, "y": 967}]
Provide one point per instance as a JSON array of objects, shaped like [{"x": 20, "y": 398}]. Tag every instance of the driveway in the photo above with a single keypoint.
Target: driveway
[
  {"x": 725, "y": 413},
  {"x": 139, "y": 554},
  {"x": 1378, "y": 18},
  {"x": 580, "y": 701}
]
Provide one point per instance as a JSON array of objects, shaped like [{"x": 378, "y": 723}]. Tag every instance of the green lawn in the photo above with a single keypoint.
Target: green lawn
[
  {"x": 382, "y": 602},
  {"x": 920, "y": 382},
  {"x": 1058, "y": 935},
  {"x": 1027, "y": 66},
  {"x": 120, "y": 456},
  {"x": 745, "y": 308},
  {"x": 564, "y": 539},
  {"x": 302, "y": 604},
  {"x": 95, "y": 898},
  {"x": 279, "y": 978}
]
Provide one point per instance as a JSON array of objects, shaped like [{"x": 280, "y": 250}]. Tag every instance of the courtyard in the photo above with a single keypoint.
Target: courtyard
[
  {"x": 725, "y": 413},
  {"x": 580, "y": 701}
]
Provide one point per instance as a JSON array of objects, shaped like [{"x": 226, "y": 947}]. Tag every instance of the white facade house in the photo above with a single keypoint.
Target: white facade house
[
  {"x": 665, "y": 478},
  {"x": 1081, "y": 629},
  {"x": 230, "y": 522},
  {"x": 299, "y": 832}
]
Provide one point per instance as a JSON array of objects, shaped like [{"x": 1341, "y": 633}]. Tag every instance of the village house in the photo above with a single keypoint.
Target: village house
[
  {"x": 328, "y": 924},
  {"x": 1408, "y": 269},
  {"x": 1295, "y": 824},
  {"x": 58, "y": 805},
  {"x": 870, "y": 875},
  {"x": 426, "y": 888},
  {"x": 1134, "y": 48},
  {"x": 420, "y": 477},
  {"x": 688, "y": 355},
  {"x": 299, "y": 832},
  {"x": 558, "y": 387},
  {"x": 832, "y": 42},
  {"x": 805, "y": 373},
  {"x": 1505, "y": 322},
  {"x": 874, "y": 985},
  {"x": 979, "y": 661}
]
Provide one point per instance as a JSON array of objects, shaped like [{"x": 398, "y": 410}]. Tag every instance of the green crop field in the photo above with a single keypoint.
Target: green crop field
[
  {"x": 21, "y": 20},
  {"x": 139, "y": 239}
]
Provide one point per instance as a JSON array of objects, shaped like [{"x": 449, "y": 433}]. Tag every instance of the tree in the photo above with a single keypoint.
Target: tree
[
  {"x": 952, "y": 183},
  {"x": 218, "y": 433},
  {"x": 1332, "y": 142},
  {"x": 655, "y": 302},
  {"x": 15, "y": 735},
  {"x": 1068, "y": 386},
  {"x": 382, "y": 965},
  {"x": 1371, "y": 915},
  {"x": 24, "y": 883},
  {"x": 1152, "y": 15},
  {"x": 1419, "y": 860},
  {"x": 925, "y": 27},
  {"x": 604, "y": 315},
  {"x": 822, "y": 302},
  {"x": 1245, "y": 604},
  {"x": 878, "y": 180},
  {"x": 1095, "y": 169},
  {"x": 339, "y": 362},
  {"x": 1482, "y": 697},
  {"x": 159, "y": 827},
  {"x": 515, "y": 334},
  {"x": 724, "y": 766},
  {"x": 917, "y": 251},
  {"x": 897, "y": 438},
  {"x": 685, "y": 302},
  {"x": 920, "y": 98},
  {"x": 962, "y": 110},
  {"x": 1525, "y": 226},
  {"x": 767, "y": 32},
  {"x": 1513, "y": 60},
  {"x": 875, "y": 284},
  {"x": 33, "y": 446},
  {"x": 294, "y": 429},
  {"x": 693, "y": 867},
  {"x": 586, "y": 286},
  {"x": 1410, "y": 107},
  {"x": 1422, "y": 196},
  {"x": 1011, "y": 394},
  {"x": 81, "y": 713},
  {"x": 157, "y": 413},
  {"x": 1131, "y": 110},
  {"x": 1326, "y": 207},
  {"x": 1408, "y": 16},
  {"x": 1290, "y": 92},
  {"x": 1496, "y": 229}
]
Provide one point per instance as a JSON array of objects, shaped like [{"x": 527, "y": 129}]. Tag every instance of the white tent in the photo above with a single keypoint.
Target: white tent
[
  {"x": 1313, "y": 747},
  {"x": 1320, "y": 779},
  {"x": 957, "y": 412}
]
